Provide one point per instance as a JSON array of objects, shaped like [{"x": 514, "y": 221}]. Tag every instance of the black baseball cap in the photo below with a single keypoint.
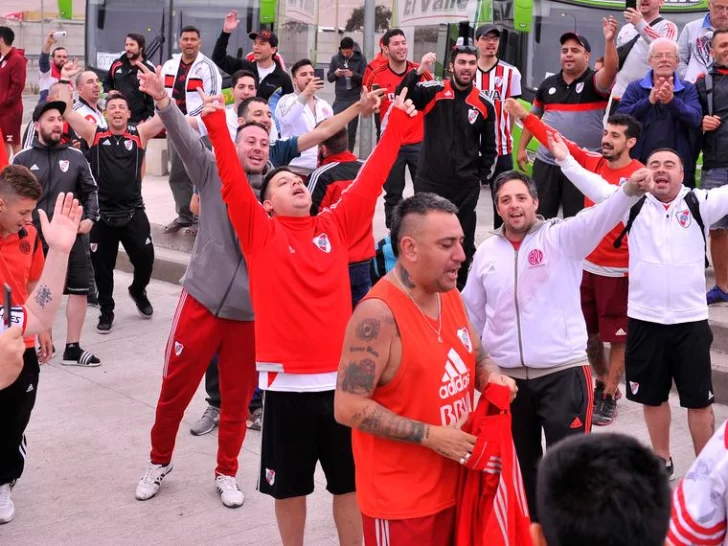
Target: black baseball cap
[
  {"x": 43, "y": 107},
  {"x": 264, "y": 36},
  {"x": 487, "y": 29},
  {"x": 578, "y": 37}
]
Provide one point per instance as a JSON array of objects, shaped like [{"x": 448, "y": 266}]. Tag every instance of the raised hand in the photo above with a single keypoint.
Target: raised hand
[
  {"x": 231, "y": 22},
  {"x": 70, "y": 69},
  {"x": 211, "y": 103},
  {"x": 370, "y": 101},
  {"x": 609, "y": 28},
  {"x": 668, "y": 91},
  {"x": 427, "y": 62},
  {"x": 633, "y": 16},
  {"x": 515, "y": 109},
  {"x": 150, "y": 82},
  {"x": 639, "y": 183},
  {"x": 60, "y": 233},
  {"x": 557, "y": 146},
  {"x": 405, "y": 104},
  {"x": 315, "y": 85}
]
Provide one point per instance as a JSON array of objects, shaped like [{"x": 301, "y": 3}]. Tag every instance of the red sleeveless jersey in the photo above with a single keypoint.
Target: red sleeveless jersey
[{"x": 434, "y": 384}]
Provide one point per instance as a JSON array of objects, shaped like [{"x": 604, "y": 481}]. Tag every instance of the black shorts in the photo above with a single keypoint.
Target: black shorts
[
  {"x": 77, "y": 277},
  {"x": 658, "y": 353},
  {"x": 298, "y": 430}
]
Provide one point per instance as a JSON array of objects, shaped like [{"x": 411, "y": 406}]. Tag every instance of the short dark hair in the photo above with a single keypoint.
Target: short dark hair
[
  {"x": 391, "y": 33},
  {"x": 346, "y": 43},
  {"x": 7, "y": 34},
  {"x": 420, "y": 204},
  {"x": 268, "y": 177},
  {"x": 717, "y": 32},
  {"x": 507, "y": 176},
  {"x": 338, "y": 142},
  {"x": 603, "y": 489},
  {"x": 249, "y": 124},
  {"x": 634, "y": 127},
  {"x": 245, "y": 104},
  {"x": 463, "y": 50},
  {"x": 138, "y": 38},
  {"x": 59, "y": 48},
  {"x": 300, "y": 64},
  {"x": 115, "y": 95},
  {"x": 190, "y": 28},
  {"x": 244, "y": 74},
  {"x": 665, "y": 149},
  {"x": 16, "y": 180}
]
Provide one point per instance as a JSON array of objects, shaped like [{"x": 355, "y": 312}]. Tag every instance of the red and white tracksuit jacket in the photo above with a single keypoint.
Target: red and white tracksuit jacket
[{"x": 491, "y": 503}]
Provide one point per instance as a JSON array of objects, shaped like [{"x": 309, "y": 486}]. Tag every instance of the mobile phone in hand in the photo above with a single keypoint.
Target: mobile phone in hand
[
  {"x": 630, "y": 4},
  {"x": 7, "y": 305},
  {"x": 376, "y": 86},
  {"x": 318, "y": 73}
]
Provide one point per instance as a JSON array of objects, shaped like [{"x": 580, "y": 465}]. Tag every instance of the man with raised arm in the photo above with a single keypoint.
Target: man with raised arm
[{"x": 300, "y": 289}]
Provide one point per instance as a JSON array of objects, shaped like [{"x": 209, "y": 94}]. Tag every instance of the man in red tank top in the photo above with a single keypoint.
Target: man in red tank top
[{"x": 406, "y": 381}]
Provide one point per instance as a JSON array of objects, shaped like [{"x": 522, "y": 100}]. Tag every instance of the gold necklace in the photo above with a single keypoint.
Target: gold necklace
[{"x": 427, "y": 320}]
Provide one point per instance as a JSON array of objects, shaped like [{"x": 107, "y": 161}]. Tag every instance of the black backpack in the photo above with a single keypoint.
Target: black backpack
[{"x": 691, "y": 200}]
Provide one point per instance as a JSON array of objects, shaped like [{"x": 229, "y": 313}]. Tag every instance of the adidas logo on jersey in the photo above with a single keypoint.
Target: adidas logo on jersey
[
  {"x": 35, "y": 167},
  {"x": 620, "y": 332},
  {"x": 106, "y": 143},
  {"x": 456, "y": 378}
]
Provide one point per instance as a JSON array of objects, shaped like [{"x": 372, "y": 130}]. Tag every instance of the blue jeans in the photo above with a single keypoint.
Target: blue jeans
[{"x": 360, "y": 281}]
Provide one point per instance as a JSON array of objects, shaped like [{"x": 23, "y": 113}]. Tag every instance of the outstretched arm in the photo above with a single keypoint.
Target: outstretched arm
[
  {"x": 605, "y": 76},
  {"x": 421, "y": 93},
  {"x": 84, "y": 128}
]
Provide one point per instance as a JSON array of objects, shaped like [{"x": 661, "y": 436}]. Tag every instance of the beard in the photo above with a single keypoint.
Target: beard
[
  {"x": 461, "y": 82},
  {"x": 133, "y": 56},
  {"x": 50, "y": 138}
]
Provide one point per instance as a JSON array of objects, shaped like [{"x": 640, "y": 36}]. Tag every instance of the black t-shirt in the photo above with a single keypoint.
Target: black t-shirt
[
  {"x": 116, "y": 162},
  {"x": 179, "y": 90}
]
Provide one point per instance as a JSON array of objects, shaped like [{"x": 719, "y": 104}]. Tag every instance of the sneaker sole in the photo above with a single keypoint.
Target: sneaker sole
[
  {"x": 202, "y": 433},
  {"x": 103, "y": 332},
  {"x": 77, "y": 363},
  {"x": 232, "y": 506},
  {"x": 147, "y": 317}
]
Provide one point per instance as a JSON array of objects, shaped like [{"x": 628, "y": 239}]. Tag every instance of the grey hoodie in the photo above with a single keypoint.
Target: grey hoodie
[
  {"x": 357, "y": 64},
  {"x": 217, "y": 275}
]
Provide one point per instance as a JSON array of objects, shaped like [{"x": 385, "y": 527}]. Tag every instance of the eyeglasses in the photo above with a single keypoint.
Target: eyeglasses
[
  {"x": 489, "y": 38},
  {"x": 660, "y": 56}
]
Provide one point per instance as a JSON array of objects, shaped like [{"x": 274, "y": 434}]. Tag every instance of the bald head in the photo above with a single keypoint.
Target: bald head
[{"x": 89, "y": 87}]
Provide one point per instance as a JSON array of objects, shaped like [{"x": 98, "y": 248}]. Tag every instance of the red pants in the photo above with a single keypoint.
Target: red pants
[
  {"x": 196, "y": 335},
  {"x": 435, "y": 530}
]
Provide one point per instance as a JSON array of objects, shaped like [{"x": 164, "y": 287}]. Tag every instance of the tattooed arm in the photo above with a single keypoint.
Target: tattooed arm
[
  {"x": 485, "y": 370},
  {"x": 365, "y": 364}
]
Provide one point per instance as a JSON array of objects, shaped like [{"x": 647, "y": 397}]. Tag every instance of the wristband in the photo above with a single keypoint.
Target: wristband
[{"x": 64, "y": 81}]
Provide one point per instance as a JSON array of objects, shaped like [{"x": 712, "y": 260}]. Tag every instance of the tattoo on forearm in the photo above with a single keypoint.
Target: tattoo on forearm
[
  {"x": 367, "y": 349},
  {"x": 382, "y": 422},
  {"x": 358, "y": 377},
  {"x": 43, "y": 296},
  {"x": 368, "y": 329},
  {"x": 405, "y": 278}
]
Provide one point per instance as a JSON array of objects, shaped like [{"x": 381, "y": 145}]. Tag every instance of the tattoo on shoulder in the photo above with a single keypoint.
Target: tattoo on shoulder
[
  {"x": 405, "y": 278},
  {"x": 358, "y": 377},
  {"x": 368, "y": 329},
  {"x": 43, "y": 296}
]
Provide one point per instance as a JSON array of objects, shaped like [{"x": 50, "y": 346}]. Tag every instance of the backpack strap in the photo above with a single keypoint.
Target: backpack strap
[
  {"x": 691, "y": 200},
  {"x": 633, "y": 212},
  {"x": 378, "y": 267}
]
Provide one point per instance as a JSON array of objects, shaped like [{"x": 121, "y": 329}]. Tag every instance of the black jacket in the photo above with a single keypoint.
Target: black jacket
[
  {"x": 357, "y": 63},
  {"x": 122, "y": 77},
  {"x": 715, "y": 143},
  {"x": 459, "y": 145},
  {"x": 60, "y": 169},
  {"x": 272, "y": 82}
]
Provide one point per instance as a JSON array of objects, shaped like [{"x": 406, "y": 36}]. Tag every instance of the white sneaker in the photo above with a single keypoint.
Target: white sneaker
[
  {"x": 152, "y": 480},
  {"x": 7, "y": 508},
  {"x": 230, "y": 492}
]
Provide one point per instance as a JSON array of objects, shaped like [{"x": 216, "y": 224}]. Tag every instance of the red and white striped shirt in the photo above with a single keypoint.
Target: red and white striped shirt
[
  {"x": 699, "y": 501},
  {"x": 501, "y": 82}
]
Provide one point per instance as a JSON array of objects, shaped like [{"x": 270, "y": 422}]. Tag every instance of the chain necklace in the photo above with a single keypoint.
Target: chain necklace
[{"x": 427, "y": 319}]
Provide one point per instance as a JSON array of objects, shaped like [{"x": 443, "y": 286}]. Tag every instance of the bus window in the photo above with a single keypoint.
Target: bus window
[{"x": 109, "y": 21}]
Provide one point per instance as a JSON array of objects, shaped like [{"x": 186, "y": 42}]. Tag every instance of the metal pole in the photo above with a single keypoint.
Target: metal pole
[
  {"x": 42, "y": 21},
  {"x": 365, "y": 134}
]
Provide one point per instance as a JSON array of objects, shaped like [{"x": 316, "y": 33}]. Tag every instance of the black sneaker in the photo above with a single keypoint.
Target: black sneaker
[
  {"x": 670, "y": 469},
  {"x": 75, "y": 356},
  {"x": 598, "y": 393},
  {"x": 606, "y": 411},
  {"x": 106, "y": 321},
  {"x": 142, "y": 303}
]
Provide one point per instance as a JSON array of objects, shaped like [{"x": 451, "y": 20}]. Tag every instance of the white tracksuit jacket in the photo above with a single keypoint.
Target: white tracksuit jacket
[
  {"x": 527, "y": 303},
  {"x": 666, "y": 250}
]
